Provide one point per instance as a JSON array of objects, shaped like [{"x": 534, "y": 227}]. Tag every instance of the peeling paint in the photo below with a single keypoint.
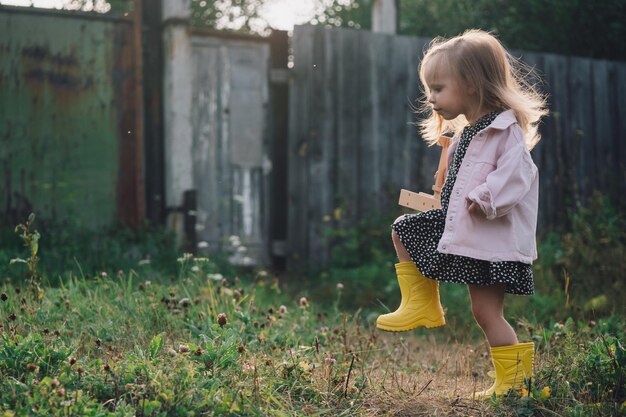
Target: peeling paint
[{"x": 60, "y": 116}]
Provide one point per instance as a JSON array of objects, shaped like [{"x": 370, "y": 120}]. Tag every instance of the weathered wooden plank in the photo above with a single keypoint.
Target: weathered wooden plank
[
  {"x": 399, "y": 113},
  {"x": 320, "y": 154},
  {"x": 604, "y": 167},
  {"x": 619, "y": 133},
  {"x": 299, "y": 99},
  {"x": 226, "y": 219},
  {"x": 205, "y": 155},
  {"x": 367, "y": 173},
  {"x": 382, "y": 99},
  {"x": 580, "y": 105},
  {"x": 610, "y": 142},
  {"x": 348, "y": 95},
  {"x": 546, "y": 153}
]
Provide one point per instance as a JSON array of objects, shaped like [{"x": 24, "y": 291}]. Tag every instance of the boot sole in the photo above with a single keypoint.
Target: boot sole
[{"x": 408, "y": 328}]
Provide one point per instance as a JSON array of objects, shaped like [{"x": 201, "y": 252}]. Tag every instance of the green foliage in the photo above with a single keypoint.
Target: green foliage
[
  {"x": 362, "y": 259},
  {"x": 239, "y": 15},
  {"x": 355, "y": 14},
  {"x": 202, "y": 344},
  {"x": 578, "y": 27},
  {"x": 584, "y": 264},
  {"x": 31, "y": 242},
  {"x": 581, "y": 371},
  {"x": 561, "y": 26},
  {"x": 80, "y": 251},
  {"x": 233, "y": 344}
]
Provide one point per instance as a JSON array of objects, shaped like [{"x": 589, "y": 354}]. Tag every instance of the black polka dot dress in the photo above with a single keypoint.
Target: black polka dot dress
[{"x": 420, "y": 234}]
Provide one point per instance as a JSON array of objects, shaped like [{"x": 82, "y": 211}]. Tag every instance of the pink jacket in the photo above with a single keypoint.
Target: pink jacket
[{"x": 499, "y": 175}]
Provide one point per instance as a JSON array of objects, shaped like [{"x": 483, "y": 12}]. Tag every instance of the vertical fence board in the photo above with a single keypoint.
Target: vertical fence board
[
  {"x": 367, "y": 172},
  {"x": 348, "y": 125},
  {"x": 320, "y": 154},
  {"x": 382, "y": 163},
  {"x": 601, "y": 110},
  {"x": 619, "y": 134},
  {"x": 546, "y": 68},
  {"x": 205, "y": 154},
  {"x": 300, "y": 96}
]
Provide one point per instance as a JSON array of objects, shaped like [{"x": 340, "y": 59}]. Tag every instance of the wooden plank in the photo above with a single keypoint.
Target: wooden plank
[
  {"x": 545, "y": 153},
  {"x": 299, "y": 98},
  {"x": 320, "y": 153},
  {"x": 620, "y": 134},
  {"x": 205, "y": 149},
  {"x": 581, "y": 123},
  {"x": 348, "y": 95},
  {"x": 382, "y": 99},
  {"x": 367, "y": 173},
  {"x": 400, "y": 67},
  {"x": 226, "y": 219},
  {"x": 603, "y": 167}
]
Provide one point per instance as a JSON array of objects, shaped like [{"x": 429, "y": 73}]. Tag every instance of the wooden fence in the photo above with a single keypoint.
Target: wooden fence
[{"x": 353, "y": 143}]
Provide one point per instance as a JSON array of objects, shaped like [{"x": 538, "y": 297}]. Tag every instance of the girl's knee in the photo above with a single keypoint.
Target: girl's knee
[{"x": 395, "y": 237}]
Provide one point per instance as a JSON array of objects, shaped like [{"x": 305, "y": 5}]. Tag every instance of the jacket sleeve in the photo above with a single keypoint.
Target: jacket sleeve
[{"x": 507, "y": 184}]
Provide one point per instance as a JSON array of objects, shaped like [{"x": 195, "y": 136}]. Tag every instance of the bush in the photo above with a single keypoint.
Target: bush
[{"x": 584, "y": 265}]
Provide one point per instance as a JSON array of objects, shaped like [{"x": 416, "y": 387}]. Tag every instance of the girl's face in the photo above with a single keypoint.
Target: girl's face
[{"x": 448, "y": 97}]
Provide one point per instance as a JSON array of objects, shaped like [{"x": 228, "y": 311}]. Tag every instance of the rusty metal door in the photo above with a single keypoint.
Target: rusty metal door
[{"x": 67, "y": 137}]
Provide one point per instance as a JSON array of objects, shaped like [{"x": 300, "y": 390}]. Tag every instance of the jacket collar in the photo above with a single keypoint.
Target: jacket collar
[{"x": 503, "y": 120}]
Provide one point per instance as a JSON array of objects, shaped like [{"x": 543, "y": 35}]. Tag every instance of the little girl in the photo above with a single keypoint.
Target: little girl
[{"x": 484, "y": 234}]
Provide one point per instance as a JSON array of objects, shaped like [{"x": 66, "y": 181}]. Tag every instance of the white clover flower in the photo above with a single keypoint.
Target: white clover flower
[
  {"x": 186, "y": 256},
  {"x": 215, "y": 277},
  {"x": 203, "y": 244}
]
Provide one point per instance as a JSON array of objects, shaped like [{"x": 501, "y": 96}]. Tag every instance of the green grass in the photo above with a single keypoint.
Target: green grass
[
  {"x": 122, "y": 345},
  {"x": 113, "y": 335}
]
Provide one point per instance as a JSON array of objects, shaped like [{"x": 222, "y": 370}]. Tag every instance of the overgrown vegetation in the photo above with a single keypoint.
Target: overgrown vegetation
[
  {"x": 211, "y": 340},
  {"x": 67, "y": 248}
]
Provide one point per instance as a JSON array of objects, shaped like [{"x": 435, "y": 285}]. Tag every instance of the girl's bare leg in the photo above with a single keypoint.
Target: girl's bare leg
[
  {"x": 488, "y": 310},
  {"x": 403, "y": 255}
]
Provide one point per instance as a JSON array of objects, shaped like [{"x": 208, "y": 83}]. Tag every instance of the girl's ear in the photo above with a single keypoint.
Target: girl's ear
[{"x": 471, "y": 89}]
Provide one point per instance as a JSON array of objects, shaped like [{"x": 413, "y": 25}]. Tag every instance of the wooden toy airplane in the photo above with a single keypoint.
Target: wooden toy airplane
[{"x": 422, "y": 201}]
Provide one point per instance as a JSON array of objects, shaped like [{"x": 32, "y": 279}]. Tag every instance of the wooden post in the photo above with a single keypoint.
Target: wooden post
[
  {"x": 385, "y": 16},
  {"x": 177, "y": 99},
  {"x": 140, "y": 206}
]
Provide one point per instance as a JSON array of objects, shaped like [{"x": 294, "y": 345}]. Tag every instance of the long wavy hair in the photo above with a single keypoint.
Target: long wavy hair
[{"x": 477, "y": 59}]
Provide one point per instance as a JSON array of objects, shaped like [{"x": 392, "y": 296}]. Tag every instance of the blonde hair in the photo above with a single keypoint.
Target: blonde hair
[{"x": 477, "y": 59}]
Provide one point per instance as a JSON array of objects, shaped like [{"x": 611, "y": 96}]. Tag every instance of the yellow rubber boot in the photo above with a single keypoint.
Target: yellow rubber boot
[
  {"x": 420, "y": 306},
  {"x": 513, "y": 366}
]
